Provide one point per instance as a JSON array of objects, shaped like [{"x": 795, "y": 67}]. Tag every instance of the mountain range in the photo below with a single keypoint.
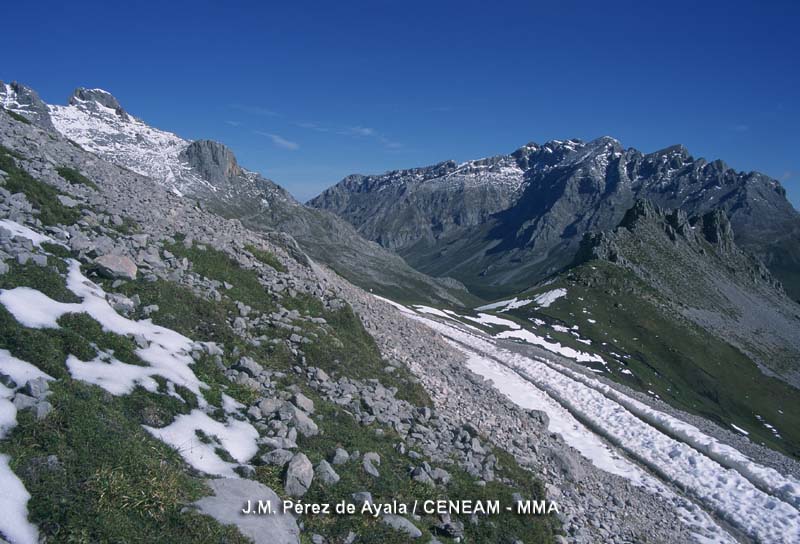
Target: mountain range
[{"x": 501, "y": 224}]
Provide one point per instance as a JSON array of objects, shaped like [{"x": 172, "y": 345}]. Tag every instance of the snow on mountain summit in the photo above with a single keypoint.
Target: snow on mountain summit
[{"x": 95, "y": 120}]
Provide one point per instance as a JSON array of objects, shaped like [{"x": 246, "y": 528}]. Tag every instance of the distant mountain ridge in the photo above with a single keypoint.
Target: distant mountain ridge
[
  {"x": 208, "y": 171},
  {"x": 501, "y": 224}
]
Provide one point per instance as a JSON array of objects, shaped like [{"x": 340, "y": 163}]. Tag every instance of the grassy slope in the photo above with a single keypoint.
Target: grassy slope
[{"x": 684, "y": 365}]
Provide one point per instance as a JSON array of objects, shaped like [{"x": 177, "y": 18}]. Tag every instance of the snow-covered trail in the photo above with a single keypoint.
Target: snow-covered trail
[{"x": 683, "y": 456}]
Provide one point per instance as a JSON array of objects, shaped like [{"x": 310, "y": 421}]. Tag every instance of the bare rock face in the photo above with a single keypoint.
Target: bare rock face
[
  {"x": 116, "y": 267},
  {"x": 213, "y": 160},
  {"x": 232, "y": 495}
]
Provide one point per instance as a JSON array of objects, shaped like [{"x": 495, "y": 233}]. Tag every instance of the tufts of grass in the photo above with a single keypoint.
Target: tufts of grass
[
  {"x": 266, "y": 257},
  {"x": 42, "y": 278},
  {"x": 217, "y": 265},
  {"x": 122, "y": 347},
  {"x": 75, "y": 177},
  {"x": 356, "y": 355},
  {"x": 111, "y": 482},
  {"x": 43, "y": 196}
]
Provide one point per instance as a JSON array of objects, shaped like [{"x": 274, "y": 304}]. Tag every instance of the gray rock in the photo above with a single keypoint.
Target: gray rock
[
  {"x": 269, "y": 406},
  {"x": 116, "y": 266},
  {"x": 325, "y": 473},
  {"x": 67, "y": 201},
  {"x": 279, "y": 457},
  {"x": 362, "y": 497},
  {"x": 340, "y": 456},
  {"x": 567, "y": 463},
  {"x": 250, "y": 366},
  {"x": 369, "y": 461},
  {"x": 231, "y": 496},
  {"x": 399, "y": 523},
  {"x": 23, "y": 402},
  {"x": 303, "y": 402},
  {"x": 37, "y": 387},
  {"x": 42, "y": 410},
  {"x": 303, "y": 423},
  {"x": 299, "y": 475}
]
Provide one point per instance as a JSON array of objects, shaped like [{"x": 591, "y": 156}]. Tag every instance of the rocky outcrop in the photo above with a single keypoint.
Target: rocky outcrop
[
  {"x": 91, "y": 98},
  {"x": 694, "y": 264},
  {"x": 25, "y": 101},
  {"x": 214, "y": 161}
]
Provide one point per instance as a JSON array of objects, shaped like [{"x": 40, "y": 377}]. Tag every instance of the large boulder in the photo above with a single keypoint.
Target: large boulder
[
  {"x": 116, "y": 267},
  {"x": 232, "y": 495}
]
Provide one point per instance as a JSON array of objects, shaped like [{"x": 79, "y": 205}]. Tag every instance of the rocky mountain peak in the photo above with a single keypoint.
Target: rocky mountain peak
[
  {"x": 25, "y": 101},
  {"x": 87, "y": 98},
  {"x": 213, "y": 160}
]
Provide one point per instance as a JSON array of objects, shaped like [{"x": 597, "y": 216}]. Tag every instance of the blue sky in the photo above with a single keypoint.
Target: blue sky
[{"x": 308, "y": 92}]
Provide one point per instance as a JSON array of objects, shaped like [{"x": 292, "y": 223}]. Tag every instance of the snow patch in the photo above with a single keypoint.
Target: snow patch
[
  {"x": 238, "y": 438},
  {"x": 544, "y": 300},
  {"x": 14, "y": 524},
  {"x": 21, "y": 230}
]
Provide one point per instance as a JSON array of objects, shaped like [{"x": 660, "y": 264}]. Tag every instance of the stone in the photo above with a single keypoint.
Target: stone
[
  {"x": 250, "y": 366},
  {"x": 399, "y": 523},
  {"x": 325, "y": 473},
  {"x": 42, "y": 410},
  {"x": 67, "y": 202},
  {"x": 567, "y": 463},
  {"x": 362, "y": 497},
  {"x": 299, "y": 475},
  {"x": 120, "y": 303},
  {"x": 340, "y": 456},
  {"x": 269, "y": 406},
  {"x": 232, "y": 495},
  {"x": 369, "y": 461},
  {"x": 278, "y": 458},
  {"x": 116, "y": 266},
  {"x": 304, "y": 424},
  {"x": 23, "y": 401},
  {"x": 37, "y": 387},
  {"x": 303, "y": 402}
]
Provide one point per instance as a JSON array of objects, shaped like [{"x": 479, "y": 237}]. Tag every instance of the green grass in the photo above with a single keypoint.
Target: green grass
[
  {"x": 217, "y": 265},
  {"x": 687, "y": 367},
  {"x": 75, "y": 177},
  {"x": 43, "y": 196},
  {"x": 113, "y": 483},
  {"x": 14, "y": 115},
  {"x": 266, "y": 257},
  {"x": 42, "y": 278}
]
